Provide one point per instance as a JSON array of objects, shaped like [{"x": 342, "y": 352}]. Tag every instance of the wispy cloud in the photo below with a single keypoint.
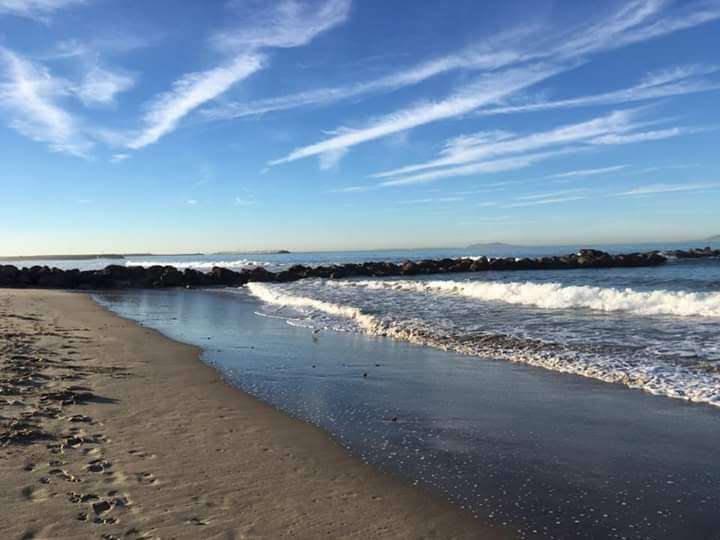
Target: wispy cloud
[
  {"x": 492, "y": 54},
  {"x": 589, "y": 172},
  {"x": 36, "y": 9},
  {"x": 654, "y": 189},
  {"x": 470, "y": 148},
  {"x": 635, "y": 21},
  {"x": 100, "y": 85},
  {"x": 475, "y": 154},
  {"x": 31, "y": 96},
  {"x": 278, "y": 24},
  {"x": 561, "y": 193},
  {"x": 433, "y": 200},
  {"x": 644, "y": 136},
  {"x": 656, "y": 168},
  {"x": 282, "y": 24},
  {"x": 545, "y": 201},
  {"x": 679, "y": 81},
  {"x": 189, "y": 92},
  {"x": 486, "y": 89},
  {"x": 244, "y": 201},
  {"x": 329, "y": 160},
  {"x": 117, "y": 158},
  {"x": 483, "y": 167}
]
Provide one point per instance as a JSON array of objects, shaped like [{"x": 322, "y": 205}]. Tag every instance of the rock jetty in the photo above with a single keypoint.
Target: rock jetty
[
  {"x": 125, "y": 277},
  {"x": 693, "y": 253}
]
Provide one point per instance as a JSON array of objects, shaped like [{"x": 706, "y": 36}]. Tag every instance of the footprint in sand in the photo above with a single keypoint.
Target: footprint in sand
[
  {"x": 146, "y": 478},
  {"x": 92, "y": 451},
  {"x": 60, "y": 473},
  {"x": 98, "y": 466},
  {"x": 135, "y": 452},
  {"x": 77, "y": 498},
  {"x": 35, "y": 494}
]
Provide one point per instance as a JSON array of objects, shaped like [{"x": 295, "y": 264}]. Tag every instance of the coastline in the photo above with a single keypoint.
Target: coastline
[
  {"x": 513, "y": 444},
  {"x": 157, "y": 445}
]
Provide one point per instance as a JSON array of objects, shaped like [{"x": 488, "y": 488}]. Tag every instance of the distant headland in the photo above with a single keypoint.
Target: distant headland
[
  {"x": 491, "y": 245},
  {"x": 121, "y": 256}
]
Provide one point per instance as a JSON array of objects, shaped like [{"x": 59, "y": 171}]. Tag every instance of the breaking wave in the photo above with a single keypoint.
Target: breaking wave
[
  {"x": 200, "y": 265},
  {"x": 651, "y": 375},
  {"x": 558, "y": 296}
]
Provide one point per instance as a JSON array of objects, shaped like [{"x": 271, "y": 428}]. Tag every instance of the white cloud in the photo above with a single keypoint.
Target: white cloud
[
  {"x": 36, "y": 9},
  {"x": 31, "y": 94},
  {"x": 117, "y": 158},
  {"x": 484, "y": 90},
  {"x": 240, "y": 201},
  {"x": 471, "y": 148},
  {"x": 192, "y": 202},
  {"x": 545, "y": 195},
  {"x": 264, "y": 25},
  {"x": 461, "y": 156},
  {"x": 483, "y": 167},
  {"x": 635, "y": 21},
  {"x": 485, "y": 56},
  {"x": 547, "y": 200},
  {"x": 680, "y": 81},
  {"x": 644, "y": 136},
  {"x": 329, "y": 160},
  {"x": 284, "y": 24},
  {"x": 353, "y": 189},
  {"x": 654, "y": 189},
  {"x": 188, "y": 93},
  {"x": 589, "y": 172},
  {"x": 433, "y": 200},
  {"x": 100, "y": 85}
]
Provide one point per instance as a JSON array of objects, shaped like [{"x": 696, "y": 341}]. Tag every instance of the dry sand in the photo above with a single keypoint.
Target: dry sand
[{"x": 109, "y": 430}]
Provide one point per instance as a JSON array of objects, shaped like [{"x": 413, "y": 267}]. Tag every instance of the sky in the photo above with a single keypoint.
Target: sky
[{"x": 176, "y": 126}]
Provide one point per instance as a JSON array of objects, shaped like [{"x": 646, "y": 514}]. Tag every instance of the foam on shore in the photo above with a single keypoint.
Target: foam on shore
[{"x": 649, "y": 374}]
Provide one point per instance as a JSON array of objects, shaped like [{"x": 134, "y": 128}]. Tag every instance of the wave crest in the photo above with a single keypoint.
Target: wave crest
[
  {"x": 655, "y": 377},
  {"x": 558, "y": 296}
]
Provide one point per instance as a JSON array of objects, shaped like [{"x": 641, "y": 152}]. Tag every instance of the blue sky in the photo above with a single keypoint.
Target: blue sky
[{"x": 166, "y": 126}]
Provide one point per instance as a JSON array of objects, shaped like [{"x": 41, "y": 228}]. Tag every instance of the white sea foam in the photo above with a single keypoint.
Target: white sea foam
[
  {"x": 649, "y": 374},
  {"x": 200, "y": 265},
  {"x": 558, "y": 296},
  {"x": 271, "y": 296}
]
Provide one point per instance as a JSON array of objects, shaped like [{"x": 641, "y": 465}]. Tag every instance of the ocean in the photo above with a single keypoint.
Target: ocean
[
  {"x": 563, "y": 403},
  {"x": 655, "y": 329}
]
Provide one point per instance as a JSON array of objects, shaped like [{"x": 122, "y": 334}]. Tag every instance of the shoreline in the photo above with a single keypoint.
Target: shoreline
[
  {"x": 150, "y": 441},
  {"x": 515, "y": 445}
]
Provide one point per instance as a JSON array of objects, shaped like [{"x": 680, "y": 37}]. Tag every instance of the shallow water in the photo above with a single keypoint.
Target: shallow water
[
  {"x": 548, "y": 454},
  {"x": 655, "y": 329}
]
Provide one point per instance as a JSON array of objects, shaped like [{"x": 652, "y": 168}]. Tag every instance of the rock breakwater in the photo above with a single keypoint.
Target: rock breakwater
[{"x": 123, "y": 277}]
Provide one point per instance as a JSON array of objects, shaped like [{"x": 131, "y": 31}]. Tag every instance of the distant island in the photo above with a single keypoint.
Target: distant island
[
  {"x": 259, "y": 252},
  {"x": 66, "y": 257},
  {"x": 92, "y": 256},
  {"x": 715, "y": 238},
  {"x": 491, "y": 245}
]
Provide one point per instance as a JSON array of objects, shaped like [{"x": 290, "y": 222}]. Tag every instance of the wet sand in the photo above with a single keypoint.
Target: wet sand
[
  {"x": 550, "y": 455},
  {"x": 110, "y": 430}
]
